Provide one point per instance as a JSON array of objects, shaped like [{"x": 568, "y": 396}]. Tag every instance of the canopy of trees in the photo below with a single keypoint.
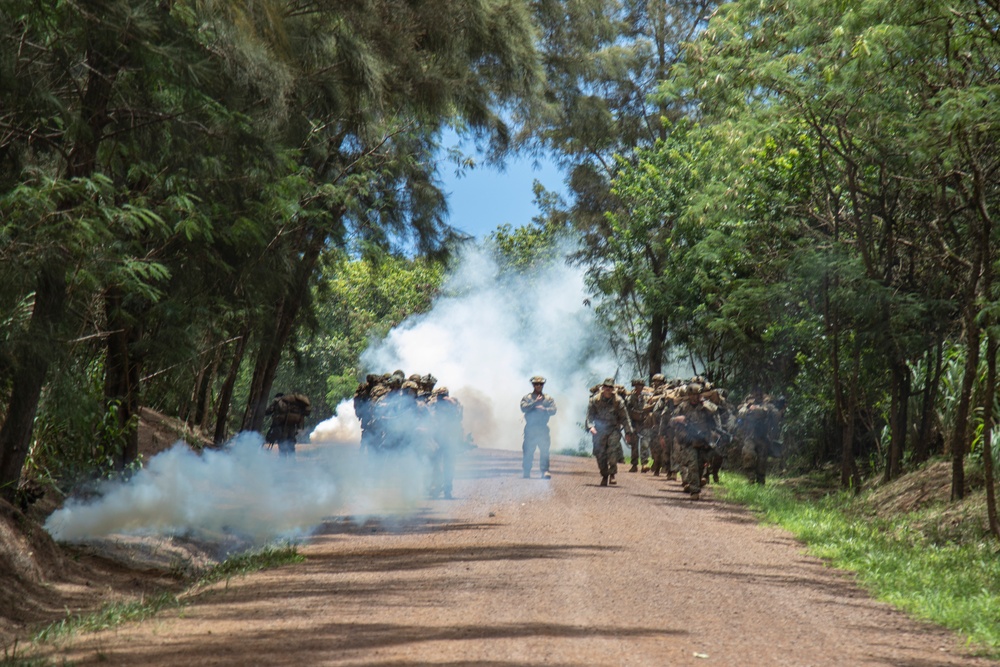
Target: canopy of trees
[{"x": 197, "y": 198}]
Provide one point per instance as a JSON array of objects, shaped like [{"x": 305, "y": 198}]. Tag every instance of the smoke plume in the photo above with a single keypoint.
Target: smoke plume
[{"x": 485, "y": 337}]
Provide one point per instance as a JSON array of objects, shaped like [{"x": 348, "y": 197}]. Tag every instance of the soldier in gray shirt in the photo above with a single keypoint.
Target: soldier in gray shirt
[{"x": 537, "y": 407}]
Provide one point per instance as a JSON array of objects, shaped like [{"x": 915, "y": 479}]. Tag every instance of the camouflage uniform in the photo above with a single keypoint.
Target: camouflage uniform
[
  {"x": 538, "y": 408},
  {"x": 606, "y": 417},
  {"x": 288, "y": 414},
  {"x": 663, "y": 457},
  {"x": 757, "y": 421},
  {"x": 363, "y": 409},
  {"x": 640, "y": 408},
  {"x": 695, "y": 424},
  {"x": 446, "y": 416}
]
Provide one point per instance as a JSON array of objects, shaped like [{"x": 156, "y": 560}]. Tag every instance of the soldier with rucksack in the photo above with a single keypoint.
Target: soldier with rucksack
[{"x": 288, "y": 414}]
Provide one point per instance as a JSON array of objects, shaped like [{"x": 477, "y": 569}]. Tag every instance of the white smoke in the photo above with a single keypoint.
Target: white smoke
[
  {"x": 486, "y": 337},
  {"x": 243, "y": 490}
]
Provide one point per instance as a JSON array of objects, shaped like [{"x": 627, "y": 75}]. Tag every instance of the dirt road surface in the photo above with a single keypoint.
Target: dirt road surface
[{"x": 529, "y": 572}]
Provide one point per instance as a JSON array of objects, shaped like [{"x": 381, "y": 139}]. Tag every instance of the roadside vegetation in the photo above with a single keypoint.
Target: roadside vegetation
[
  {"x": 115, "y": 614},
  {"x": 906, "y": 542}
]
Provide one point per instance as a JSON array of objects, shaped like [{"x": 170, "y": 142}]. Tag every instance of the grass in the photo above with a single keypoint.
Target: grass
[
  {"x": 118, "y": 613},
  {"x": 267, "y": 558},
  {"x": 109, "y": 616},
  {"x": 911, "y": 560}
]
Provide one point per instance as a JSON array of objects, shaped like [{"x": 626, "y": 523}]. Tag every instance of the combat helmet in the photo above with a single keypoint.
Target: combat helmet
[{"x": 658, "y": 378}]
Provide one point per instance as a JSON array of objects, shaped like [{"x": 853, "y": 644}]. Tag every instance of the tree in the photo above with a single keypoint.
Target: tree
[{"x": 604, "y": 60}]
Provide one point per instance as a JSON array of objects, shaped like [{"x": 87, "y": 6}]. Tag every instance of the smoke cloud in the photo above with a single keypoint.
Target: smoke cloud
[
  {"x": 485, "y": 337},
  {"x": 243, "y": 491}
]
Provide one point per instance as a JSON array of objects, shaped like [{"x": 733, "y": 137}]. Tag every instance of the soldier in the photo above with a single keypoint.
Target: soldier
[
  {"x": 288, "y": 414},
  {"x": 363, "y": 408},
  {"x": 696, "y": 423},
  {"x": 663, "y": 457},
  {"x": 758, "y": 420},
  {"x": 538, "y": 407},
  {"x": 659, "y": 384},
  {"x": 385, "y": 398},
  {"x": 606, "y": 417},
  {"x": 446, "y": 415},
  {"x": 640, "y": 412},
  {"x": 426, "y": 387}
]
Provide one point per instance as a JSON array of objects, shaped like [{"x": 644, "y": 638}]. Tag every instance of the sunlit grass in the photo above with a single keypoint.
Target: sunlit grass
[
  {"x": 109, "y": 616},
  {"x": 954, "y": 584},
  {"x": 266, "y": 558}
]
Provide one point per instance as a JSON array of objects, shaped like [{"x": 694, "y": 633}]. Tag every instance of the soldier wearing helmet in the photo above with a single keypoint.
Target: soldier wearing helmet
[
  {"x": 537, "y": 407},
  {"x": 695, "y": 422},
  {"x": 640, "y": 410},
  {"x": 607, "y": 415},
  {"x": 446, "y": 416}
]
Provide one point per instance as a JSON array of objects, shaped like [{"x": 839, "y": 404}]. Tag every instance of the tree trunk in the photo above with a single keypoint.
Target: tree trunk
[
  {"x": 273, "y": 343},
  {"x": 960, "y": 433},
  {"x": 989, "y": 399},
  {"x": 226, "y": 393},
  {"x": 122, "y": 377},
  {"x": 932, "y": 381},
  {"x": 657, "y": 336},
  {"x": 899, "y": 400},
  {"x": 33, "y": 354},
  {"x": 205, "y": 398}
]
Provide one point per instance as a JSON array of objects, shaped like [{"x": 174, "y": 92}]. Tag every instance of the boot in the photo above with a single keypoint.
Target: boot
[
  {"x": 604, "y": 480},
  {"x": 635, "y": 468},
  {"x": 611, "y": 480},
  {"x": 696, "y": 496},
  {"x": 644, "y": 469}
]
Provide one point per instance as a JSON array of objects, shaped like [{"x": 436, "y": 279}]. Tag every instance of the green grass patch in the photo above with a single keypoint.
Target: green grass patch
[
  {"x": 266, "y": 558},
  {"x": 109, "y": 616},
  {"x": 955, "y": 584}
]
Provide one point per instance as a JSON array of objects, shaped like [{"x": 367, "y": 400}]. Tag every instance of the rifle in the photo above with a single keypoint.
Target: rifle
[{"x": 721, "y": 443}]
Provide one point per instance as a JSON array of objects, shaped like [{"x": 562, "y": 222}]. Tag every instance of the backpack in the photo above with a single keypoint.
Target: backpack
[{"x": 297, "y": 408}]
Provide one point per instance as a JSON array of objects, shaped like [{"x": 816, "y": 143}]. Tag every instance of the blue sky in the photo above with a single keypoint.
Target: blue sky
[{"x": 484, "y": 198}]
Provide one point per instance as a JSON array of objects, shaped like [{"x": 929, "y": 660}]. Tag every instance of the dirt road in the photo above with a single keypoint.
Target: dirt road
[{"x": 532, "y": 572}]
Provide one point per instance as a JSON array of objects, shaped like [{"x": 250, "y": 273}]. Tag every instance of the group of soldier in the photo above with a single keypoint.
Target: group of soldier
[
  {"x": 686, "y": 427},
  {"x": 400, "y": 413},
  {"x": 671, "y": 426}
]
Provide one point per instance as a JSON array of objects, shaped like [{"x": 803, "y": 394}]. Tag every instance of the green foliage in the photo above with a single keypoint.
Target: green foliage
[
  {"x": 525, "y": 249},
  {"x": 109, "y": 616},
  {"x": 248, "y": 562},
  {"x": 903, "y": 560},
  {"x": 356, "y": 300}
]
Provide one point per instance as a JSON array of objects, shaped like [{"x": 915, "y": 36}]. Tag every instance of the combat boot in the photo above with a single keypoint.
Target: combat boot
[
  {"x": 635, "y": 468},
  {"x": 644, "y": 469},
  {"x": 696, "y": 496},
  {"x": 611, "y": 480},
  {"x": 604, "y": 480}
]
